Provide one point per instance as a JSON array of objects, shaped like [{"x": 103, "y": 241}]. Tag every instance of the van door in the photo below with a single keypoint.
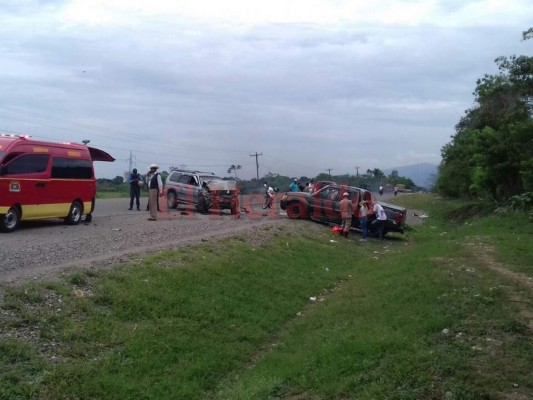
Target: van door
[
  {"x": 27, "y": 179},
  {"x": 71, "y": 178}
]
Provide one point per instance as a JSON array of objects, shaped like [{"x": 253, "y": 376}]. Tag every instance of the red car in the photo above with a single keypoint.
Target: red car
[{"x": 323, "y": 205}]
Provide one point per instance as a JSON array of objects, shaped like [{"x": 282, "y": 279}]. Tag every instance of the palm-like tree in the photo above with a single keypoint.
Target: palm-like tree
[
  {"x": 234, "y": 168},
  {"x": 376, "y": 174}
]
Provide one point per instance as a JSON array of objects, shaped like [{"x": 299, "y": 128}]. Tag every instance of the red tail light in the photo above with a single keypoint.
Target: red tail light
[{"x": 399, "y": 218}]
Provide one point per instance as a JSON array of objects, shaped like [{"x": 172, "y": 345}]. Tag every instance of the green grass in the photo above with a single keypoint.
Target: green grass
[
  {"x": 113, "y": 194},
  {"x": 233, "y": 320}
]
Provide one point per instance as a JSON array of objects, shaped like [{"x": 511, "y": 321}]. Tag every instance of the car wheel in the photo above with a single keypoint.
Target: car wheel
[
  {"x": 202, "y": 205},
  {"x": 10, "y": 221},
  {"x": 75, "y": 213},
  {"x": 295, "y": 211},
  {"x": 171, "y": 200}
]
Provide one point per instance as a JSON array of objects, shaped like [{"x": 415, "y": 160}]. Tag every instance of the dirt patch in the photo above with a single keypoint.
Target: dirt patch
[
  {"x": 486, "y": 254},
  {"x": 468, "y": 212}
]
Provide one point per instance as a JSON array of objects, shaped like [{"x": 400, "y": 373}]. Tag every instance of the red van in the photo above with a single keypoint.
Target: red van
[{"x": 40, "y": 180}]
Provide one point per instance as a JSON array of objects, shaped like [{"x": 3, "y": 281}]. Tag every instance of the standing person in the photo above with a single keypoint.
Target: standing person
[
  {"x": 155, "y": 187},
  {"x": 135, "y": 189},
  {"x": 381, "y": 217},
  {"x": 346, "y": 210},
  {"x": 148, "y": 176},
  {"x": 293, "y": 187},
  {"x": 395, "y": 191},
  {"x": 363, "y": 219},
  {"x": 311, "y": 186},
  {"x": 380, "y": 190}
]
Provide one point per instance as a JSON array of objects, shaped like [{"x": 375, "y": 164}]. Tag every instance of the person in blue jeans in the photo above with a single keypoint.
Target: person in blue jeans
[{"x": 363, "y": 219}]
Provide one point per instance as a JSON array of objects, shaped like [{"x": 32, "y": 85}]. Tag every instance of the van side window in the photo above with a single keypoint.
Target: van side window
[
  {"x": 71, "y": 168},
  {"x": 27, "y": 164}
]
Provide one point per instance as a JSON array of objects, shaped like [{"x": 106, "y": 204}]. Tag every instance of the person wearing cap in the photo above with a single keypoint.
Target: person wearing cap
[
  {"x": 147, "y": 178},
  {"x": 155, "y": 187},
  {"x": 346, "y": 209},
  {"x": 293, "y": 187},
  {"x": 135, "y": 189}
]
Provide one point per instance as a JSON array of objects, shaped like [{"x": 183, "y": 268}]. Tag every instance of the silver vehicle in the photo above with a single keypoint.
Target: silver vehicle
[{"x": 204, "y": 190}]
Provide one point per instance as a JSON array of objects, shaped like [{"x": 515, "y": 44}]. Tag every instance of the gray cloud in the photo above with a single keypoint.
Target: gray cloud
[{"x": 309, "y": 96}]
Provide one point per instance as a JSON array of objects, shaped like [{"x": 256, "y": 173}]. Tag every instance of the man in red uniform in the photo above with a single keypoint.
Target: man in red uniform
[{"x": 346, "y": 210}]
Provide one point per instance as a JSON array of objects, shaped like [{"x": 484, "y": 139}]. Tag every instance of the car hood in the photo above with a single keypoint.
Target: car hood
[
  {"x": 221, "y": 184},
  {"x": 297, "y": 195}
]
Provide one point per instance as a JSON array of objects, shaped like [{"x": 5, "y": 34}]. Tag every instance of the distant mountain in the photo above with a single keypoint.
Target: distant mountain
[{"x": 423, "y": 175}]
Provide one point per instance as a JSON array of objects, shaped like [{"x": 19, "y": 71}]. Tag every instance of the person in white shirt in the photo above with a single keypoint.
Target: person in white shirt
[
  {"x": 381, "y": 217},
  {"x": 155, "y": 187},
  {"x": 363, "y": 213}
]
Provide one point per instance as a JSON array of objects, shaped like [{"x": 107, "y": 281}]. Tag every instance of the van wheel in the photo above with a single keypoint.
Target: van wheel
[
  {"x": 171, "y": 200},
  {"x": 75, "y": 213},
  {"x": 10, "y": 221}
]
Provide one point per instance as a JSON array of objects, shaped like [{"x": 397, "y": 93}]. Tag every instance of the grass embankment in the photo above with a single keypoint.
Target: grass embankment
[{"x": 418, "y": 316}]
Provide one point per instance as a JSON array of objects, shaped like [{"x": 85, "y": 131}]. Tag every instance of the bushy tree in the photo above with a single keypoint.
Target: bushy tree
[{"x": 492, "y": 151}]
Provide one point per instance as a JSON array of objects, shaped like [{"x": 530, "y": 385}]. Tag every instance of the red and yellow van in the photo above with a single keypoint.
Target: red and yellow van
[{"x": 40, "y": 180}]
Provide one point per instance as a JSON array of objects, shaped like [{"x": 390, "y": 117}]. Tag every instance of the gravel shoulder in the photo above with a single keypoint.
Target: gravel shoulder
[{"x": 48, "y": 248}]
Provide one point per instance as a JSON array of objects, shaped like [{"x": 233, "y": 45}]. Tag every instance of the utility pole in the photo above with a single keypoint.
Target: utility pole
[
  {"x": 329, "y": 171},
  {"x": 256, "y": 155},
  {"x": 131, "y": 162}
]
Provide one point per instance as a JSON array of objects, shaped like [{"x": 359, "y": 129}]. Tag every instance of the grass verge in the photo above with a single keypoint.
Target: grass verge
[{"x": 414, "y": 317}]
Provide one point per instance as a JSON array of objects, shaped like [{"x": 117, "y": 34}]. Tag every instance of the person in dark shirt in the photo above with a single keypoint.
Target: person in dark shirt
[{"x": 135, "y": 189}]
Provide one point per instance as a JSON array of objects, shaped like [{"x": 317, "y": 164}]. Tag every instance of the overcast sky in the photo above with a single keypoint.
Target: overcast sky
[{"x": 310, "y": 84}]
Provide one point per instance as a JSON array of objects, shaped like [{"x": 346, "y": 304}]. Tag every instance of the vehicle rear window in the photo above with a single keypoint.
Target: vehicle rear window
[
  {"x": 71, "y": 168},
  {"x": 27, "y": 164}
]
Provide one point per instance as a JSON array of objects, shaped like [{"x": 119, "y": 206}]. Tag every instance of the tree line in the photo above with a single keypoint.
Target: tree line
[
  {"x": 490, "y": 155},
  {"x": 370, "y": 180}
]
